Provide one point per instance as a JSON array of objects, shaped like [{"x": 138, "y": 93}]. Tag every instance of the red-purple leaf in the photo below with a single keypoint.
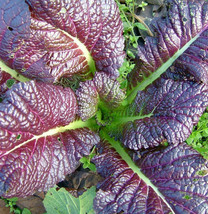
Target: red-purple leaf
[
  {"x": 108, "y": 90},
  {"x": 180, "y": 174},
  {"x": 175, "y": 184},
  {"x": 34, "y": 153},
  {"x": 172, "y": 109},
  {"x": 34, "y": 108},
  {"x": 61, "y": 38},
  {"x": 14, "y": 27},
  {"x": 182, "y": 33},
  {"x": 194, "y": 61},
  {"x": 39, "y": 164},
  {"x": 87, "y": 98}
]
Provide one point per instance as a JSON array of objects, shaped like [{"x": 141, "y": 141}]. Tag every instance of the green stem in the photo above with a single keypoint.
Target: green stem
[
  {"x": 127, "y": 20},
  {"x": 12, "y": 72},
  {"x": 132, "y": 12},
  {"x": 123, "y": 120},
  {"x": 91, "y": 123}
]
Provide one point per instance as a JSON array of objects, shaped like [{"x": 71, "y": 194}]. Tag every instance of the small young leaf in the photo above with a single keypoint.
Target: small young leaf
[
  {"x": 140, "y": 26},
  {"x": 101, "y": 88},
  {"x": 10, "y": 83},
  {"x": 26, "y": 211}
]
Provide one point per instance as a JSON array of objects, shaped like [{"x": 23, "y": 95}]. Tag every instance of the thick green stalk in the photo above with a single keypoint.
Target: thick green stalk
[
  {"x": 123, "y": 120},
  {"x": 12, "y": 72},
  {"x": 91, "y": 123}
]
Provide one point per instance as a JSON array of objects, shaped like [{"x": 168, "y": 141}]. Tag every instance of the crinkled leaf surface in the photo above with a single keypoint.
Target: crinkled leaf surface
[
  {"x": 176, "y": 183},
  {"x": 43, "y": 162},
  {"x": 39, "y": 144},
  {"x": 14, "y": 27},
  {"x": 183, "y": 33},
  {"x": 171, "y": 109},
  {"x": 109, "y": 90},
  {"x": 34, "y": 153},
  {"x": 101, "y": 89},
  {"x": 34, "y": 108},
  {"x": 87, "y": 98},
  {"x": 180, "y": 174},
  {"x": 49, "y": 39}
]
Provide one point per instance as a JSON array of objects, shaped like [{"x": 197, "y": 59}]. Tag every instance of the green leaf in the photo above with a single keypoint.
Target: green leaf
[
  {"x": 26, "y": 211},
  {"x": 14, "y": 200},
  {"x": 10, "y": 83},
  {"x": 130, "y": 54},
  {"x": 87, "y": 164},
  {"x": 140, "y": 26},
  {"x": 62, "y": 202}
]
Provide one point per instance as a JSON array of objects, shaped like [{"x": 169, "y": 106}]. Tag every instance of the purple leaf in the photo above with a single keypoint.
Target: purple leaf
[
  {"x": 183, "y": 34},
  {"x": 64, "y": 38},
  {"x": 14, "y": 27},
  {"x": 108, "y": 89},
  {"x": 34, "y": 153},
  {"x": 194, "y": 61},
  {"x": 101, "y": 89},
  {"x": 171, "y": 109},
  {"x": 177, "y": 183},
  {"x": 180, "y": 174}
]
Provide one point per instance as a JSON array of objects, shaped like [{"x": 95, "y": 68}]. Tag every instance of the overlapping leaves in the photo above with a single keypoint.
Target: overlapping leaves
[
  {"x": 92, "y": 93},
  {"x": 46, "y": 40},
  {"x": 41, "y": 135},
  {"x": 176, "y": 101}
]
